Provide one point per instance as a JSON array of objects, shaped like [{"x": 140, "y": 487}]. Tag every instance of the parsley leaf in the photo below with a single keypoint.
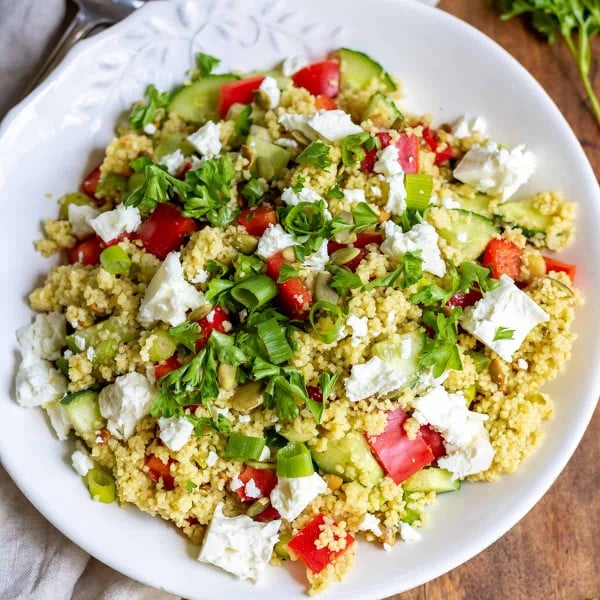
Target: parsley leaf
[
  {"x": 364, "y": 216},
  {"x": 326, "y": 384},
  {"x": 299, "y": 185},
  {"x": 335, "y": 192},
  {"x": 186, "y": 334},
  {"x": 206, "y": 63},
  {"x": 317, "y": 154},
  {"x": 243, "y": 121},
  {"x": 412, "y": 268},
  {"x": 287, "y": 272},
  {"x": 220, "y": 424},
  {"x": 385, "y": 281},
  {"x": 471, "y": 273},
  {"x": 190, "y": 486},
  {"x": 143, "y": 114},
  {"x": 503, "y": 333},
  {"x": 441, "y": 351},
  {"x": 352, "y": 148},
  {"x": 343, "y": 279},
  {"x": 253, "y": 191}
]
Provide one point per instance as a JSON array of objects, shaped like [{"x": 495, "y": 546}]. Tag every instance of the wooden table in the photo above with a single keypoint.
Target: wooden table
[{"x": 554, "y": 552}]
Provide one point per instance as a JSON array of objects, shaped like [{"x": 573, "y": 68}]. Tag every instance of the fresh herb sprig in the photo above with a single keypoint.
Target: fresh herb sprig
[{"x": 144, "y": 113}]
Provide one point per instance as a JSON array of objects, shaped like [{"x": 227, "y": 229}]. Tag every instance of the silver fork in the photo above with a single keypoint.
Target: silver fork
[{"x": 91, "y": 14}]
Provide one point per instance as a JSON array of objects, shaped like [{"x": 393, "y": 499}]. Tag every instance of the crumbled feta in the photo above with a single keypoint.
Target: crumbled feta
[
  {"x": 169, "y": 296},
  {"x": 497, "y": 171},
  {"x": 38, "y": 382},
  {"x": 273, "y": 240},
  {"x": 200, "y": 277},
  {"x": 408, "y": 533},
  {"x": 212, "y": 458},
  {"x": 252, "y": 490},
  {"x": 149, "y": 128},
  {"x": 111, "y": 224},
  {"x": 465, "y": 438},
  {"x": 79, "y": 342},
  {"x": 355, "y": 196},
  {"x": 523, "y": 364},
  {"x": 508, "y": 307},
  {"x": 265, "y": 455},
  {"x": 293, "y": 64},
  {"x": 396, "y": 200},
  {"x": 81, "y": 462},
  {"x": 421, "y": 237},
  {"x": 271, "y": 89},
  {"x": 90, "y": 354},
  {"x": 235, "y": 484},
  {"x": 196, "y": 163},
  {"x": 292, "y": 495},
  {"x": 373, "y": 378},
  {"x": 359, "y": 327},
  {"x": 45, "y": 337},
  {"x": 286, "y": 143},
  {"x": 59, "y": 419},
  {"x": 449, "y": 202},
  {"x": 306, "y": 194},
  {"x": 387, "y": 161},
  {"x": 124, "y": 402},
  {"x": 175, "y": 432},
  {"x": 371, "y": 523},
  {"x": 239, "y": 545},
  {"x": 78, "y": 217},
  {"x": 376, "y": 191},
  {"x": 244, "y": 418},
  {"x": 468, "y": 126},
  {"x": 294, "y": 122},
  {"x": 173, "y": 161},
  {"x": 207, "y": 140},
  {"x": 151, "y": 374},
  {"x": 317, "y": 260},
  {"x": 333, "y": 125}
]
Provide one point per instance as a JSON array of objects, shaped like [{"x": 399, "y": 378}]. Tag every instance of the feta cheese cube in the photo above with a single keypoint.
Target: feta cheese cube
[
  {"x": 371, "y": 523},
  {"x": 293, "y": 64},
  {"x": 45, "y": 337},
  {"x": 333, "y": 125},
  {"x": 421, "y": 237},
  {"x": 173, "y": 161},
  {"x": 286, "y": 143},
  {"x": 207, "y": 140},
  {"x": 468, "y": 126},
  {"x": 387, "y": 161},
  {"x": 355, "y": 196},
  {"x": 244, "y": 418},
  {"x": 373, "y": 378},
  {"x": 271, "y": 89},
  {"x": 200, "y": 277},
  {"x": 497, "y": 171},
  {"x": 252, "y": 490},
  {"x": 359, "y": 327},
  {"x": 59, "y": 419},
  {"x": 273, "y": 240},
  {"x": 175, "y": 432},
  {"x": 265, "y": 455},
  {"x": 169, "y": 296},
  {"x": 111, "y": 224},
  {"x": 124, "y": 402},
  {"x": 211, "y": 459},
  {"x": 78, "y": 217},
  {"x": 294, "y": 122},
  {"x": 149, "y": 128},
  {"x": 81, "y": 462},
  {"x": 409, "y": 533},
  {"x": 508, "y": 307},
  {"x": 396, "y": 200},
  {"x": 292, "y": 495},
  {"x": 317, "y": 260},
  {"x": 38, "y": 382},
  {"x": 239, "y": 545}
]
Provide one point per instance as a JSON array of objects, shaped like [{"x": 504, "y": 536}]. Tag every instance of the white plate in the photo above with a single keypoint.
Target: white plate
[{"x": 51, "y": 140}]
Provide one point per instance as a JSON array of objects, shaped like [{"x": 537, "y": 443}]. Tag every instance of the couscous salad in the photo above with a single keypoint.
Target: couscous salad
[{"x": 291, "y": 315}]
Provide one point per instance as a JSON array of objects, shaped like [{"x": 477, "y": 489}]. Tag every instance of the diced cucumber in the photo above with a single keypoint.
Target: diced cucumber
[
  {"x": 525, "y": 215},
  {"x": 197, "y": 102},
  {"x": 480, "y": 204},
  {"x": 294, "y": 436},
  {"x": 112, "y": 185},
  {"x": 76, "y": 198},
  {"x": 83, "y": 411},
  {"x": 163, "y": 346},
  {"x": 171, "y": 142},
  {"x": 357, "y": 70},
  {"x": 432, "y": 479},
  {"x": 402, "y": 354},
  {"x": 385, "y": 108},
  {"x": 135, "y": 181},
  {"x": 350, "y": 458},
  {"x": 468, "y": 232},
  {"x": 104, "y": 338},
  {"x": 270, "y": 159}
]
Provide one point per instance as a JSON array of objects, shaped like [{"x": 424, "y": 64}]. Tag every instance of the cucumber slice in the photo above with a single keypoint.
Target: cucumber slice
[
  {"x": 294, "y": 436},
  {"x": 197, "y": 102},
  {"x": 77, "y": 198},
  {"x": 385, "y": 108},
  {"x": 104, "y": 337},
  {"x": 83, "y": 411},
  {"x": 112, "y": 185},
  {"x": 403, "y": 354},
  {"x": 357, "y": 70},
  {"x": 350, "y": 458},
  {"x": 270, "y": 159},
  {"x": 524, "y": 215},
  {"x": 480, "y": 204},
  {"x": 468, "y": 232},
  {"x": 431, "y": 480},
  {"x": 170, "y": 143}
]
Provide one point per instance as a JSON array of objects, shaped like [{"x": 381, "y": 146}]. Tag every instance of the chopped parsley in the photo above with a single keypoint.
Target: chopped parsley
[
  {"x": 352, "y": 148},
  {"x": 364, "y": 216},
  {"x": 441, "y": 351},
  {"x": 190, "y": 485},
  {"x": 503, "y": 333},
  {"x": 317, "y": 154},
  {"x": 143, "y": 114},
  {"x": 243, "y": 121},
  {"x": 206, "y": 63},
  {"x": 287, "y": 272},
  {"x": 253, "y": 191},
  {"x": 186, "y": 334}
]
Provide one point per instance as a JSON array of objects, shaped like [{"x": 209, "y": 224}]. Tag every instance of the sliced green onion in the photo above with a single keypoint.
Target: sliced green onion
[
  {"x": 273, "y": 337},
  {"x": 101, "y": 485},
  {"x": 163, "y": 346},
  {"x": 418, "y": 190},
  {"x": 115, "y": 260},
  {"x": 245, "y": 447},
  {"x": 330, "y": 331},
  {"x": 280, "y": 547},
  {"x": 294, "y": 460},
  {"x": 257, "y": 507},
  {"x": 62, "y": 364},
  {"x": 255, "y": 292},
  {"x": 352, "y": 150}
]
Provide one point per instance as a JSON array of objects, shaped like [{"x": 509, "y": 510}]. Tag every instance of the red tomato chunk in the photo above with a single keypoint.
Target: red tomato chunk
[
  {"x": 217, "y": 320},
  {"x": 503, "y": 258},
  {"x": 408, "y": 153},
  {"x": 90, "y": 183},
  {"x": 165, "y": 367},
  {"x": 322, "y": 78},
  {"x": 256, "y": 220},
  {"x": 560, "y": 267},
  {"x": 294, "y": 297},
  {"x": 157, "y": 470},
  {"x": 434, "y": 440},
  {"x": 241, "y": 92},
  {"x": 87, "y": 252},
  {"x": 264, "y": 479}
]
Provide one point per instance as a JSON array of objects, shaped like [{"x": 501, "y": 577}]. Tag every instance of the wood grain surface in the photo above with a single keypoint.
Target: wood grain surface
[{"x": 554, "y": 552}]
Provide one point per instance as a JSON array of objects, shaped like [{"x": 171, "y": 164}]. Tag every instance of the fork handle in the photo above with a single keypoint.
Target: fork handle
[{"x": 78, "y": 28}]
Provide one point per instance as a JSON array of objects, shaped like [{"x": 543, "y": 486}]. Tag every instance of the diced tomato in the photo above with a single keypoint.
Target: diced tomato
[
  {"x": 90, "y": 183},
  {"x": 256, "y": 220},
  {"x": 314, "y": 393},
  {"x": 192, "y": 521},
  {"x": 187, "y": 165},
  {"x": 303, "y": 545},
  {"x": 464, "y": 299},
  {"x": 264, "y": 479},
  {"x": 87, "y": 252},
  {"x": 352, "y": 265},
  {"x": 241, "y": 92},
  {"x": 157, "y": 470},
  {"x": 332, "y": 246},
  {"x": 161, "y": 369},
  {"x": 216, "y": 319},
  {"x": 274, "y": 265},
  {"x": 503, "y": 258},
  {"x": 323, "y": 102},
  {"x": 295, "y": 298},
  {"x": 165, "y": 230},
  {"x": 370, "y": 158},
  {"x": 319, "y": 78},
  {"x": 364, "y": 238},
  {"x": 408, "y": 152},
  {"x": 560, "y": 267},
  {"x": 432, "y": 141},
  {"x": 434, "y": 440},
  {"x": 399, "y": 456},
  {"x": 269, "y": 514}
]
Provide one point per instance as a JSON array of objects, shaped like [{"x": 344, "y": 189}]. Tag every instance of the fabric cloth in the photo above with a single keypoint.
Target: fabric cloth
[{"x": 36, "y": 561}]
